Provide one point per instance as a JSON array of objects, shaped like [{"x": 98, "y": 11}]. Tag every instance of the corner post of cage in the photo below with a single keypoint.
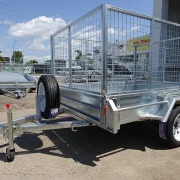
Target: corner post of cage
[
  {"x": 52, "y": 56},
  {"x": 135, "y": 62},
  {"x": 104, "y": 43},
  {"x": 70, "y": 56},
  {"x": 164, "y": 61},
  {"x": 179, "y": 80},
  {"x": 151, "y": 52}
]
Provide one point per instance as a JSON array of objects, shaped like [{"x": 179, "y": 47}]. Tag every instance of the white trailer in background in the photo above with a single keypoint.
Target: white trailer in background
[{"x": 15, "y": 84}]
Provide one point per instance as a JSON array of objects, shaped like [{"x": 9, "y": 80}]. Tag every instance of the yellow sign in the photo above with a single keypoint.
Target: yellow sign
[{"x": 141, "y": 43}]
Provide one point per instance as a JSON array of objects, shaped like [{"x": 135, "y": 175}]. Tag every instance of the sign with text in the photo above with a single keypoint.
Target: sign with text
[{"x": 141, "y": 43}]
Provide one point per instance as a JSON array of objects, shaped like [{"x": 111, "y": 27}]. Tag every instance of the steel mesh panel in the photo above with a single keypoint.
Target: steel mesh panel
[
  {"x": 60, "y": 57},
  {"x": 86, "y": 64},
  {"x": 142, "y": 53},
  {"x": 111, "y": 50}
]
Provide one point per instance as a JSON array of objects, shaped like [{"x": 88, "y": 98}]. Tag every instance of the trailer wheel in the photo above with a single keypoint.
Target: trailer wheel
[
  {"x": 173, "y": 128},
  {"x": 10, "y": 154},
  {"x": 48, "y": 86},
  {"x": 1, "y": 92}
]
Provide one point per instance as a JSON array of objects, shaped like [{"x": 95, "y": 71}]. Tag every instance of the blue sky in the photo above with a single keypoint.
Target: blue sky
[{"x": 31, "y": 22}]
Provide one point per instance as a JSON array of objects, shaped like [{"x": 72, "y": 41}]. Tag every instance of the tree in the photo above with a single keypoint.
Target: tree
[
  {"x": 18, "y": 57},
  {"x": 2, "y": 59},
  {"x": 79, "y": 54},
  {"x": 33, "y": 61}
]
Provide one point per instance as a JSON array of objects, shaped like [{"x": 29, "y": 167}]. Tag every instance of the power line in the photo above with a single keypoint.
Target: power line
[
  {"x": 19, "y": 8},
  {"x": 2, "y": 12},
  {"x": 17, "y": 11}
]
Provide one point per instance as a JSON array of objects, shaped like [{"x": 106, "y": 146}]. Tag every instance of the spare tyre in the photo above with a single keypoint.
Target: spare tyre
[{"x": 49, "y": 88}]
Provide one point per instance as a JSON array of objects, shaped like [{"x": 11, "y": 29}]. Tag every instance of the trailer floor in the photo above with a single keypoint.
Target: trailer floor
[
  {"x": 115, "y": 86},
  {"x": 136, "y": 152}
]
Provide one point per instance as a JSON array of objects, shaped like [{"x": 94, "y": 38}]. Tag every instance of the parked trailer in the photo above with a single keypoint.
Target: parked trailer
[
  {"x": 111, "y": 101},
  {"x": 15, "y": 84}
]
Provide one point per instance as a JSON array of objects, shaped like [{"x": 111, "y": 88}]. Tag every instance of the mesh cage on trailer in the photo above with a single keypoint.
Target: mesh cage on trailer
[
  {"x": 111, "y": 50},
  {"x": 73, "y": 53},
  {"x": 144, "y": 52}
]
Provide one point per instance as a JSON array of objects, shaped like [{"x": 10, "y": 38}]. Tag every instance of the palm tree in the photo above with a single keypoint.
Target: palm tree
[
  {"x": 2, "y": 59},
  {"x": 33, "y": 61},
  {"x": 79, "y": 55}
]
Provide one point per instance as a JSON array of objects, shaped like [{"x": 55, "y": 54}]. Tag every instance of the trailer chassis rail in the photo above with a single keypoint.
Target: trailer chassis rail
[
  {"x": 17, "y": 94},
  {"x": 14, "y": 128}
]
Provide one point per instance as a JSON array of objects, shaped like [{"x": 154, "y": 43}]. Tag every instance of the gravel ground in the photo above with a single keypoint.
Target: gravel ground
[
  {"x": 136, "y": 152},
  {"x": 17, "y": 104}
]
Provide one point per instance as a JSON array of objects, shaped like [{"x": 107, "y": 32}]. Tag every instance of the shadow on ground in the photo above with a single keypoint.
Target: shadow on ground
[{"x": 89, "y": 144}]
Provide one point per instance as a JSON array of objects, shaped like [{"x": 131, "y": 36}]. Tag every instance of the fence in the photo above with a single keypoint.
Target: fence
[{"x": 30, "y": 68}]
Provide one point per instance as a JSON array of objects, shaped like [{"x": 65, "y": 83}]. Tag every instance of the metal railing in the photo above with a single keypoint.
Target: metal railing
[{"x": 27, "y": 68}]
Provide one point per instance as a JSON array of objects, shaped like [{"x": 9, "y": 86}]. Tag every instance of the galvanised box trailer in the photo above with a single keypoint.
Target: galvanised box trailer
[{"x": 128, "y": 70}]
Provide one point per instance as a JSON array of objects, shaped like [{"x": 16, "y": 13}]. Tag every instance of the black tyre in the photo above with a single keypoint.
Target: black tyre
[
  {"x": 173, "y": 128},
  {"x": 57, "y": 92},
  {"x": 1, "y": 92},
  {"x": 48, "y": 86},
  {"x": 10, "y": 154}
]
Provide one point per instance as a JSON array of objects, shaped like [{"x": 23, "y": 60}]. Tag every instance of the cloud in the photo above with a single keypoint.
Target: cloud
[
  {"x": 41, "y": 26},
  {"x": 135, "y": 28},
  {"x": 112, "y": 31},
  {"x": 36, "y": 31},
  {"x": 6, "y": 22},
  {"x": 91, "y": 33},
  {"x": 37, "y": 44}
]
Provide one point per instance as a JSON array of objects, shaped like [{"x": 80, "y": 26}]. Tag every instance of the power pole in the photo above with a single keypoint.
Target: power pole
[{"x": 14, "y": 51}]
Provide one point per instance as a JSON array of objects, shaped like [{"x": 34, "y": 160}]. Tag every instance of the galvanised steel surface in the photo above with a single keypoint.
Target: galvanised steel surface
[
  {"x": 6, "y": 76},
  {"x": 13, "y": 128},
  {"x": 111, "y": 53},
  {"x": 14, "y": 81}
]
